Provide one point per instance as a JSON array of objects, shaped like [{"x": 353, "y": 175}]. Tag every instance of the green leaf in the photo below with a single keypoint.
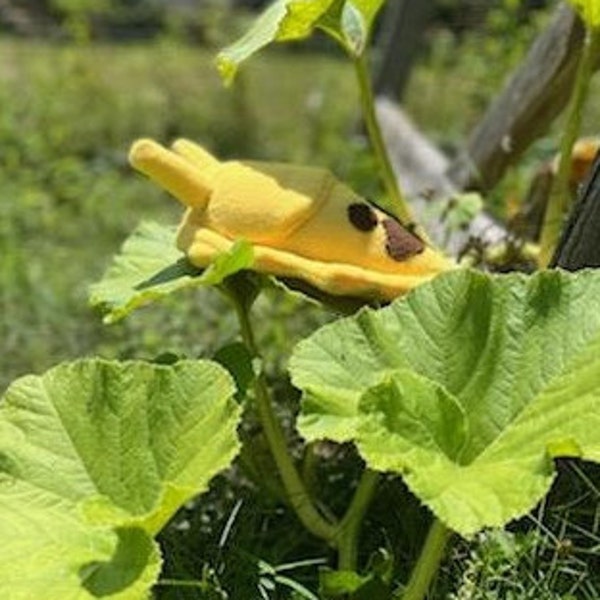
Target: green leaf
[
  {"x": 150, "y": 267},
  {"x": 261, "y": 34},
  {"x": 339, "y": 583},
  {"x": 468, "y": 387},
  {"x": 589, "y": 11},
  {"x": 459, "y": 210},
  {"x": 356, "y": 23},
  {"x": 348, "y": 21},
  {"x": 95, "y": 458},
  {"x": 237, "y": 359},
  {"x": 302, "y": 17},
  {"x": 352, "y": 586}
]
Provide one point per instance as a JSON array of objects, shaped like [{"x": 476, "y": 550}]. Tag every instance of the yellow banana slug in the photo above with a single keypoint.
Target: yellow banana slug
[{"x": 302, "y": 222}]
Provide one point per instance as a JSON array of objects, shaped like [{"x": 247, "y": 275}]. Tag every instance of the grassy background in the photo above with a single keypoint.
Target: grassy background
[{"x": 68, "y": 199}]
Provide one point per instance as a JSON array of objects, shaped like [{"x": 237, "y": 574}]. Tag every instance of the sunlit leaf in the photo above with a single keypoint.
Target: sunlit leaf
[
  {"x": 589, "y": 11},
  {"x": 349, "y": 22},
  {"x": 467, "y": 387},
  {"x": 95, "y": 458},
  {"x": 150, "y": 267},
  {"x": 303, "y": 16},
  {"x": 357, "y": 21},
  {"x": 261, "y": 34},
  {"x": 352, "y": 586}
]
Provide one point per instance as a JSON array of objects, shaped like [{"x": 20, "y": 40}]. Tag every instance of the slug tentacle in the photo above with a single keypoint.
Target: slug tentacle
[
  {"x": 172, "y": 172},
  {"x": 202, "y": 160}
]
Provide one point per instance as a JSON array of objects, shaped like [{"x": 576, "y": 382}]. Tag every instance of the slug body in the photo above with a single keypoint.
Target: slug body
[{"x": 302, "y": 222}]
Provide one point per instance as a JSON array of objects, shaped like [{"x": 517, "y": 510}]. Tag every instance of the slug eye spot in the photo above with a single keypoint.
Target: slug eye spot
[
  {"x": 400, "y": 244},
  {"x": 362, "y": 216}
]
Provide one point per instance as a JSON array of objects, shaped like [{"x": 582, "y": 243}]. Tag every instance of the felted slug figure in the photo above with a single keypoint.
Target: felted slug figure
[{"x": 302, "y": 222}]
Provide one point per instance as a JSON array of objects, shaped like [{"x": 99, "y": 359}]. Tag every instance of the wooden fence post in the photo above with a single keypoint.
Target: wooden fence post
[
  {"x": 402, "y": 28},
  {"x": 535, "y": 94}
]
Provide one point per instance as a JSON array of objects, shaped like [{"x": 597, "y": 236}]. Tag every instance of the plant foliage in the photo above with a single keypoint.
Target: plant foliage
[
  {"x": 349, "y": 22},
  {"x": 150, "y": 267},
  {"x": 95, "y": 458},
  {"x": 589, "y": 11},
  {"x": 467, "y": 387}
]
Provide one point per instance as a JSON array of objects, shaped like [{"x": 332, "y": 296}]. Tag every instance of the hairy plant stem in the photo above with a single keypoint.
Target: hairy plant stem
[
  {"x": 398, "y": 205},
  {"x": 297, "y": 494},
  {"x": 428, "y": 563},
  {"x": 559, "y": 200},
  {"x": 349, "y": 527}
]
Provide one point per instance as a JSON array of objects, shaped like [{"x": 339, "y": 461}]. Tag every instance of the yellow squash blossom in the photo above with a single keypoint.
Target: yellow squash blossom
[{"x": 302, "y": 222}]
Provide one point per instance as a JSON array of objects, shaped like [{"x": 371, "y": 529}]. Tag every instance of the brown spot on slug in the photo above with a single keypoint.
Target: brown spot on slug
[
  {"x": 362, "y": 216},
  {"x": 400, "y": 243}
]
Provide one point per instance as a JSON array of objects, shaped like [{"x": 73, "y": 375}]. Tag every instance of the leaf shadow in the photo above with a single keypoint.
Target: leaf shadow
[
  {"x": 180, "y": 268},
  {"x": 133, "y": 551}
]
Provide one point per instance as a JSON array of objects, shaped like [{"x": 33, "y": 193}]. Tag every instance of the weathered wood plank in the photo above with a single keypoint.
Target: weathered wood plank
[
  {"x": 533, "y": 96},
  {"x": 398, "y": 44}
]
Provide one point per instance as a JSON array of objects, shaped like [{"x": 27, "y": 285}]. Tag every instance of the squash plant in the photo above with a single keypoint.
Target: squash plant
[{"x": 466, "y": 385}]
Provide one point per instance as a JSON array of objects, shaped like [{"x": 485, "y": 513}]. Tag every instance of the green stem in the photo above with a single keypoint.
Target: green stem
[
  {"x": 349, "y": 527},
  {"x": 399, "y": 206},
  {"x": 181, "y": 583},
  {"x": 297, "y": 494},
  {"x": 261, "y": 475},
  {"x": 559, "y": 200},
  {"x": 428, "y": 563}
]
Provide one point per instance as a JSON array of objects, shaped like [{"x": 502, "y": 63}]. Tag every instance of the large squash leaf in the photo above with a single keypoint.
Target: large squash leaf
[
  {"x": 150, "y": 267},
  {"x": 95, "y": 458},
  {"x": 468, "y": 387}
]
